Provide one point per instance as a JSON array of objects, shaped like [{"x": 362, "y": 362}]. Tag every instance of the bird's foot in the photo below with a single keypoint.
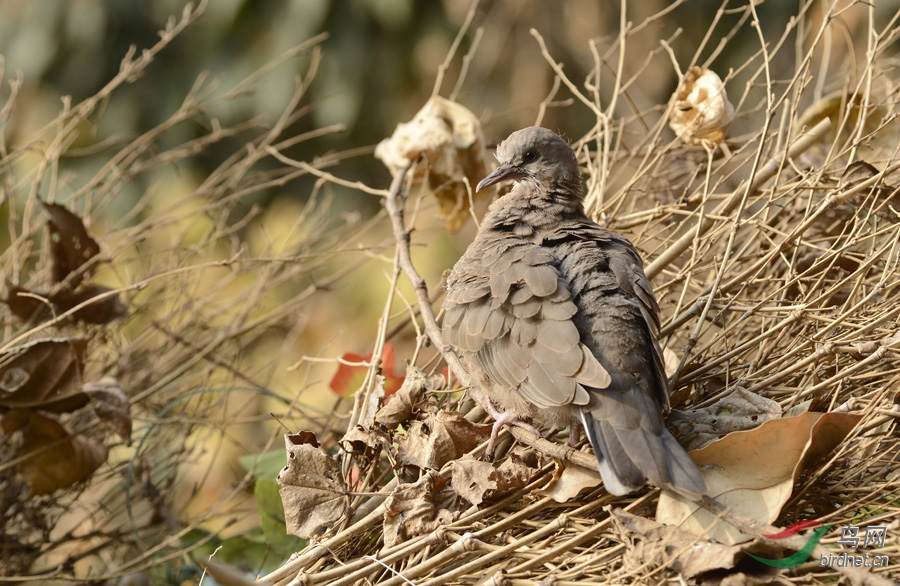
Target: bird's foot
[{"x": 502, "y": 418}]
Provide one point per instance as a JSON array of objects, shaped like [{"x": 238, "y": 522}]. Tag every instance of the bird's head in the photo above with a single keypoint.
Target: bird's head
[{"x": 539, "y": 157}]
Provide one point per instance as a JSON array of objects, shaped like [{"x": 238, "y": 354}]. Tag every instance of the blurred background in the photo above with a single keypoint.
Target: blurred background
[{"x": 381, "y": 59}]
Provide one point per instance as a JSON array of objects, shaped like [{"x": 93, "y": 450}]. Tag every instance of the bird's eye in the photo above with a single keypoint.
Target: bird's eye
[{"x": 531, "y": 156}]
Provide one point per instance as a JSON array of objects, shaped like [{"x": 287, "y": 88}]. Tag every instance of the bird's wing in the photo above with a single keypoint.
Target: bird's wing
[
  {"x": 628, "y": 269},
  {"x": 618, "y": 316},
  {"x": 508, "y": 305},
  {"x": 618, "y": 321}
]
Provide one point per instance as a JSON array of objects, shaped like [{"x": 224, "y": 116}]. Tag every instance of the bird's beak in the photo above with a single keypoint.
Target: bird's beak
[{"x": 501, "y": 173}]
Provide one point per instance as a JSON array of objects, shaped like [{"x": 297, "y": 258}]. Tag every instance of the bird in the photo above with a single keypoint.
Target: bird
[{"x": 557, "y": 324}]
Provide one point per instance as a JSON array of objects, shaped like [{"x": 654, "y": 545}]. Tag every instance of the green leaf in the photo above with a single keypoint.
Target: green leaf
[
  {"x": 266, "y": 465},
  {"x": 271, "y": 518}
]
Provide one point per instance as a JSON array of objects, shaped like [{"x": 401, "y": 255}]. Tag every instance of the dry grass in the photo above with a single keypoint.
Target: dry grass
[
  {"x": 219, "y": 292},
  {"x": 770, "y": 276}
]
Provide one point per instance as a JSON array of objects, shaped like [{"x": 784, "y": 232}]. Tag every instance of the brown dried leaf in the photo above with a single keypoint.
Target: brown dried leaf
[
  {"x": 23, "y": 305},
  {"x": 45, "y": 374},
  {"x": 359, "y": 440},
  {"x": 754, "y": 471},
  {"x": 517, "y": 470},
  {"x": 651, "y": 544},
  {"x": 472, "y": 478},
  {"x": 418, "y": 508},
  {"x": 101, "y": 311},
  {"x": 312, "y": 489},
  {"x": 738, "y": 411},
  {"x": 111, "y": 405},
  {"x": 37, "y": 305},
  {"x": 442, "y": 437},
  {"x": 53, "y": 457},
  {"x": 70, "y": 243},
  {"x": 399, "y": 407},
  {"x": 701, "y": 113},
  {"x": 571, "y": 481},
  {"x": 448, "y": 136},
  {"x": 475, "y": 480},
  {"x": 303, "y": 437}
]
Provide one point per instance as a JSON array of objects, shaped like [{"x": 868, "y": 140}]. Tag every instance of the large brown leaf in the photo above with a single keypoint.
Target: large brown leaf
[
  {"x": 442, "y": 437},
  {"x": 70, "y": 243},
  {"x": 753, "y": 472},
  {"x": 54, "y": 457},
  {"x": 45, "y": 374},
  {"x": 418, "y": 508},
  {"x": 312, "y": 488},
  {"x": 25, "y": 303},
  {"x": 103, "y": 309}
]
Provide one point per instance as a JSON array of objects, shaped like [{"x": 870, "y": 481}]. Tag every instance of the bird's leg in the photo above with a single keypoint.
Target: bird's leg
[
  {"x": 502, "y": 418},
  {"x": 575, "y": 430}
]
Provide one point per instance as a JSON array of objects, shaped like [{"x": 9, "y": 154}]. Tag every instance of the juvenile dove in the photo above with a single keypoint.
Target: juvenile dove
[{"x": 555, "y": 320}]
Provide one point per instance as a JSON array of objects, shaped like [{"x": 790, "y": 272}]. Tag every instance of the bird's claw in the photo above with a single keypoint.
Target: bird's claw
[{"x": 502, "y": 418}]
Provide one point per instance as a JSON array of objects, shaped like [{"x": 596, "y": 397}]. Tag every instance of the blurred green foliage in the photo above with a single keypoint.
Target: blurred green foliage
[{"x": 380, "y": 65}]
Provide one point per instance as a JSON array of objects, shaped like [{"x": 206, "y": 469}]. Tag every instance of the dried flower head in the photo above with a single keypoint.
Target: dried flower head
[
  {"x": 449, "y": 137},
  {"x": 701, "y": 113}
]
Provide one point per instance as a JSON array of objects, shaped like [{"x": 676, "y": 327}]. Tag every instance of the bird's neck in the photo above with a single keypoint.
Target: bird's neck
[{"x": 527, "y": 212}]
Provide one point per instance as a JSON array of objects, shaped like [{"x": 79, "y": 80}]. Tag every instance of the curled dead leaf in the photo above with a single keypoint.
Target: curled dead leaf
[
  {"x": 570, "y": 481},
  {"x": 754, "y": 471},
  {"x": 400, "y": 406},
  {"x": 303, "y": 437},
  {"x": 111, "y": 405},
  {"x": 312, "y": 488},
  {"x": 103, "y": 308},
  {"x": 53, "y": 458},
  {"x": 417, "y": 508},
  {"x": 27, "y": 304},
  {"x": 71, "y": 246},
  {"x": 738, "y": 411},
  {"x": 373, "y": 400},
  {"x": 359, "y": 440},
  {"x": 45, "y": 374},
  {"x": 448, "y": 136},
  {"x": 440, "y": 438},
  {"x": 475, "y": 480},
  {"x": 472, "y": 478},
  {"x": 701, "y": 112},
  {"x": 652, "y": 544}
]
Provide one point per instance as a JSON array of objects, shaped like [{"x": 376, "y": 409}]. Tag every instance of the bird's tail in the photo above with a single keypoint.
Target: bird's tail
[{"x": 632, "y": 445}]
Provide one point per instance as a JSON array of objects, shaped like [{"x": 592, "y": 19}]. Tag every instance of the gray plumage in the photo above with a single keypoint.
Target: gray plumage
[{"x": 555, "y": 320}]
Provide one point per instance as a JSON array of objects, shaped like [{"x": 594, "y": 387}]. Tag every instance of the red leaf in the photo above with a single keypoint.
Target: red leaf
[
  {"x": 392, "y": 380},
  {"x": 349, "y": 378},
  {"x": 793, "y": 529}
]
